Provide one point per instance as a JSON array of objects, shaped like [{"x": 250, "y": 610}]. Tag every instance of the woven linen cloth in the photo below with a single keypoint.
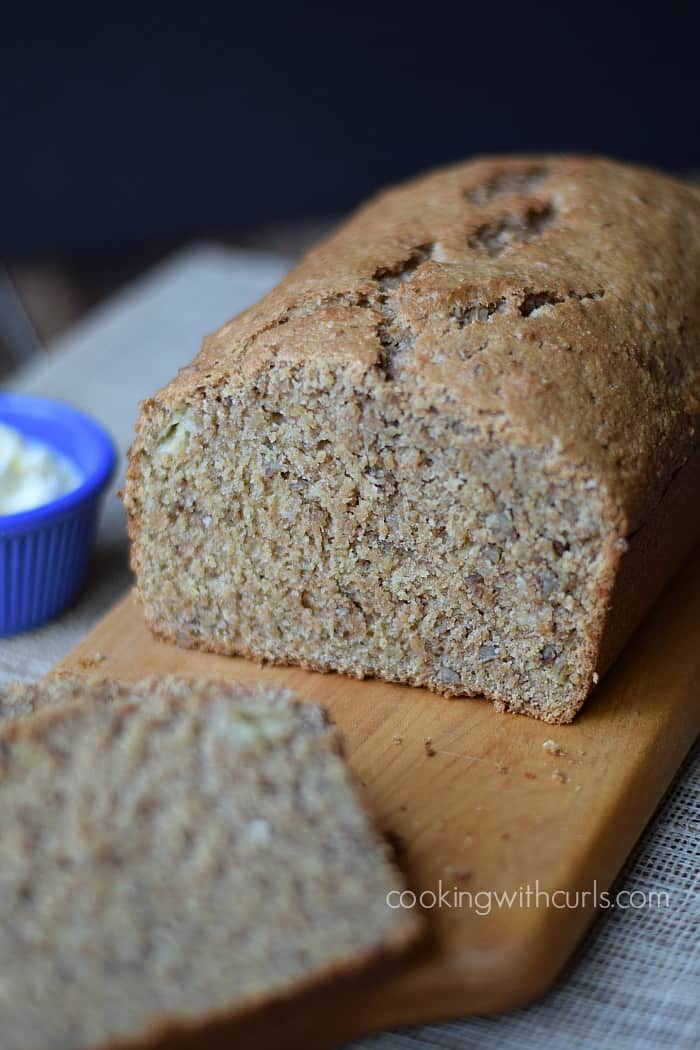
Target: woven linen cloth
[{"x": 635, "y": 981}]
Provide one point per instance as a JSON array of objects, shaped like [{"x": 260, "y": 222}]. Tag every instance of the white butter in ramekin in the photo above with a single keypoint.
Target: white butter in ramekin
[{"x": 31, "y": 473}]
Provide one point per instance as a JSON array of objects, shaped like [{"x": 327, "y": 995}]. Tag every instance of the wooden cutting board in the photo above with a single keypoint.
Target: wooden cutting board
[{"x": 477, "y": 804}]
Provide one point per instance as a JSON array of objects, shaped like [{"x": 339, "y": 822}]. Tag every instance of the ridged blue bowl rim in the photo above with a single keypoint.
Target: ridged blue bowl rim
[{"x": 62, "y": 417}]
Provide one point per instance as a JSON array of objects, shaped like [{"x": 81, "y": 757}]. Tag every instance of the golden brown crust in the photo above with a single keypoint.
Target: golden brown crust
[
  {"x": 654, "y": 553},
  {"x": 596, "y": 289},
  {"x": 232, "y": 1025}
]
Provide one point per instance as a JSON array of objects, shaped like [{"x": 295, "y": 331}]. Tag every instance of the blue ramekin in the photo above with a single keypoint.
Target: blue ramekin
[{"x": 44, "y": 552}]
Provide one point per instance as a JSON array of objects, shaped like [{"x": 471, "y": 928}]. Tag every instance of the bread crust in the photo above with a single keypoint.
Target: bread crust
[
  {"x": 626, "y": 232},
  {"x": 654, "y": 553}
]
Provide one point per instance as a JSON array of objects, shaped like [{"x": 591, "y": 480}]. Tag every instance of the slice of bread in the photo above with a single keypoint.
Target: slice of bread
[{"x": 175, "y": 853}]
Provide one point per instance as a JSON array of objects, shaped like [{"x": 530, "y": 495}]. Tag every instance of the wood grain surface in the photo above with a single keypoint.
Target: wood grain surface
[{"x": 476, "y": 803}]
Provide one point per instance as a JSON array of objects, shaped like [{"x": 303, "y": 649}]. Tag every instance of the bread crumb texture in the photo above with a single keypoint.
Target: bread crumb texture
[
  {"x": 175, "y": 851},
  {"x": 420, "y": 457}
]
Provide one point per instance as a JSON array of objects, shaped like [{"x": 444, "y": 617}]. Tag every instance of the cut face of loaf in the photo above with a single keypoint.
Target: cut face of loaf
[
  {"x": 424, "y": 455},
  {"x": 332, "y": 521},
  {"x": 175, "y": 853}
]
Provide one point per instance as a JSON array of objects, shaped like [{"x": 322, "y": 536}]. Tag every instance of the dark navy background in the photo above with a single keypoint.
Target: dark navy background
[{"x": 120, "y": 127}]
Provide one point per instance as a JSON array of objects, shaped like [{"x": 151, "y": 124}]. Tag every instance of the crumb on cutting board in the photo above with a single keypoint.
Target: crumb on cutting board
[
  {"x": 458, "y": 874},
  {"x": 86, "y": 662}
]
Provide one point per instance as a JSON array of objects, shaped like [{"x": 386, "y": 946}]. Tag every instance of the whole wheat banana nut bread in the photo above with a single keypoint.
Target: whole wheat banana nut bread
[
  {"x": 173, "y": 855},
  {"x": 454, "y": 447}
]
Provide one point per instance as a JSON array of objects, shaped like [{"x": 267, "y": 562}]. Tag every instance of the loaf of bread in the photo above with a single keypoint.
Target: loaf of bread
[
  {"x": 455, "y": 447},
  {"x": 175, "y": 854}
]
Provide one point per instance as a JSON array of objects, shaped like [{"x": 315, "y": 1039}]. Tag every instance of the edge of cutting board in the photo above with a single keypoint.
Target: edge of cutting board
[{"x": 488, "y": 809}]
